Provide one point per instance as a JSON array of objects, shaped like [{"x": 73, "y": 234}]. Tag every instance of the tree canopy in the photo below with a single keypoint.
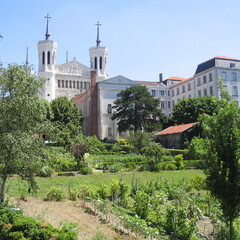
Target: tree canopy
[
  {"x": 137, "y": 109},
  {"x": 68, "y": 118},
  {"x": 189, "y": 110},
  {"x": 22, "y": 120}
]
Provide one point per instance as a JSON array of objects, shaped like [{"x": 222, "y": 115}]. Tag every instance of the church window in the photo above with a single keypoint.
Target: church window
[
  {"x": 100, "y": 63},
  {"x": 66, "y": 85},
  {"x": 81, "y": 85},
  {"x": 43, "y": 58},
  {"x": 48, "y": 58},
  {"x": 95, "y": 63},
  {"x": 77, "y": 84},
  {"x": 53, "y": 58},
  {"x": 62, "y": 83},
  {"x": 85, "y": 85},
  {"x": 70, "y": 84},
  {"x": 109, "y": 109},
  {"x": 59, "y": 83},
  {"x": 74, "y": 84}
]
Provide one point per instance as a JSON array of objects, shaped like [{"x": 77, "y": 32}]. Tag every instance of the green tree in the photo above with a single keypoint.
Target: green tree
[
  {"x": 137, "y": 109},
  {"x": 189, "y": 110},
  {"x": 21, "y": 122},
  {"x": 68, "y": 118},
  {"x": 223, "y": 170}
]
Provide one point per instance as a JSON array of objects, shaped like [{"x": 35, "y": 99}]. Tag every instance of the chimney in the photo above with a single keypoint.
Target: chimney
[
  {"x": 93, "y": 78},
  {"x": 160, "y": 77}
]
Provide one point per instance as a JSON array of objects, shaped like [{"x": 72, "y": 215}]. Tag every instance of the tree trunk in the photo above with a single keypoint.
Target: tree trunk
[
  {"x": 231, "y": 230},
  {"x": 2, "y": 189}
]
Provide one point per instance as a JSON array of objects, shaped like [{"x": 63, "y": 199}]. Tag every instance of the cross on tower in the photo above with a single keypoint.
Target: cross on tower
[
  {"x": 47, "y": 35},
  {"x": 98, "y": 40}
]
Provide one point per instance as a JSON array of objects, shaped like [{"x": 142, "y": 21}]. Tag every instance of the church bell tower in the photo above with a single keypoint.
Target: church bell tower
[
  {"x": 98, "y": 58},
  {"x": 46, "y": 64}
]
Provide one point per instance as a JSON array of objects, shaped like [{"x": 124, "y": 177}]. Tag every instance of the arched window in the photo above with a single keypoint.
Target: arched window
[
  {"x": 43, "y": 58},
  {"x": 53, "y": 58},
  {"x": 48, "y": 58},
  {"x": 59, "y": 83},
  {"x": 95, "y": 63},
  {"x": 100, "y": 63},
  {"x": 77, "y": 84},
  {"x": 66, "y": 85},
  {"x": 109, "y": 109},
  {"x": 70, "y": 84},
  {"x": 74, "y": 84},
  {"x": 62, "y": 83}
]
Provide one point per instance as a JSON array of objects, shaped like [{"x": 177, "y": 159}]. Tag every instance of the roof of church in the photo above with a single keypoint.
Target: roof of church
[
  {"x": 149, "y": 83},
  {"x": 176, "y": 129}
]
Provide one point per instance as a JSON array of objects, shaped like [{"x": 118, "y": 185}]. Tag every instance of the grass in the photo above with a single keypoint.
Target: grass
[{"x": 18, "y": 187}]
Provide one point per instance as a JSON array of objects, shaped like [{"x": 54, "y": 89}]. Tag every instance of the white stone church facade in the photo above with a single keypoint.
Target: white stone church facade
[{"x": 95, "y": 93}]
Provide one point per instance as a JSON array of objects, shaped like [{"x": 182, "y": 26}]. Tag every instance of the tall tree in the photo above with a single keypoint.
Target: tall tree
[
  {"x": 136, "y": 109},
  {"x": 189, "y": 110},
  {"x": 68, "y": 118},
  {"x": 223, "y": 169},
  {"x": 21, "y": 121}
]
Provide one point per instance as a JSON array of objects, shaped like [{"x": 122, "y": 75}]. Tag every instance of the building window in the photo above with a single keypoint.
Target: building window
[
  {"x": 81, "y": 85},
  {"x": 154, "y": 92},
  {"x": 177, "y": 91},
  {"x": 210, "y": 77},
  {"x": 85, "y": 85},
  {"x": 118, "y": 95},
  {"x": 183, "y": 89},
  {"x": 95, "y": 62},
  {"x": 109, "y": 109},
  {"x": 234, "y": 76},
  {"x": 48, "y": 58},
  {"x": 162, "y": 104},
  {"x": 223, "y": 77},
  {"x": 100, "y": 63},
  {"x": 204, "y": 79},
  {"x": 173, "y": 103},
  {"x": 199, "y": 93},
  {"x": 211, "y": 91},
  {"x": 235, "y": 91},
  {"x": 189, "y": 87},
  {"x": 198, "y": 81},
  {"x": 66, "y": 84},
  {"x": 162, "y": 93},
  {"x": 59, "y": 83},
  {"x": 169, "y": 104},
  {"x": 204, "y": 92},
  {"x": 77, "y": 84},
  {"x": 74, "y": 84},
  {"x": 43, "y": 58},
  {"x": 232, "y": 65},
  {"x": 70, "y": 84},
  {"x": 110, "y": 132},
  {"x": 172, "y": 93},
  {"x": 168, "y": 93},
  {"x": 62, "y": 83}
]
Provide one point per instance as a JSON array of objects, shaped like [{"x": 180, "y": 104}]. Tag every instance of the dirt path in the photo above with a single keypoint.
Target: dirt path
[{"x": 57, "y": 212}]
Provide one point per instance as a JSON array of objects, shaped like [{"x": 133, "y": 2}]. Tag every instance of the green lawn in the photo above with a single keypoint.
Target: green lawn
[{"x": 17, "y": 186}]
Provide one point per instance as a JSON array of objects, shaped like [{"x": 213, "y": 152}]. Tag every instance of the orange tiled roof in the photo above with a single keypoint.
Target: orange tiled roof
[
  {"x": 148, "y": 83},
  {"x": 177, "y": 78},
  {"x": 223, "y": 57},
  {"x": 176, "y": 129}
]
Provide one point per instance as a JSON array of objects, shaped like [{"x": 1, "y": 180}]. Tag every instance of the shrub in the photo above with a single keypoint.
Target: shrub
[
  {"x": 54, "y": 195},
  {"x": 73, "y": 195},
  {"x": 46, "y": 172},
  {"x": 85, "y": 170},
  {"x": 179, "y": 161}
]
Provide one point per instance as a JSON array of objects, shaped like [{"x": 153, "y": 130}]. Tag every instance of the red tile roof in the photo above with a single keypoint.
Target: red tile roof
[
  {"x": 177, "y": 78},
  {"x": 149, "y": 83},
  {"x": 228, "y": 58},
  {"x": 176, "y": 129}
]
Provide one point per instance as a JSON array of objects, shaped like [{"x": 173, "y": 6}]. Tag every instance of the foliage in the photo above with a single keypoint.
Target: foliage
[
  {"x": 45, "y": 171},
  {"x": 154, "y": 151},
  {"x": 85, "y": 170},
  {"x": 135, "y": 109},
  {"x": 54, "y": 194},
  {"x": 223, "y": 172},
  {"x": 179, "y": 161},
  {"x": 141, "y": 204},
  {"x": 139, "y": 140},
  {"x": 189, "y": 110},
  {"x": 198, "y": 148},
  {"x": 94, "y": 145},
  {"x": 198, "y": 182},
  {"x": 68, "y": 119},
  {"x": 22, "y": 122}
]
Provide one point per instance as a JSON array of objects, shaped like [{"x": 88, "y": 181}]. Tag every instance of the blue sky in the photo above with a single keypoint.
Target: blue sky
[{"x": 143, "y": 37}]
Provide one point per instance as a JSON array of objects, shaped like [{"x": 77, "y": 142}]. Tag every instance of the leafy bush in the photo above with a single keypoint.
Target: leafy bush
[
  {"x": 85, "y": 170},
  {"x": 73, "y": 195},
  {"x": 197, "y": 148},
  {"x": 46, "y": 172},
  {"x": 179, "y": 161},
  {"x": 54, "y": 195}
]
